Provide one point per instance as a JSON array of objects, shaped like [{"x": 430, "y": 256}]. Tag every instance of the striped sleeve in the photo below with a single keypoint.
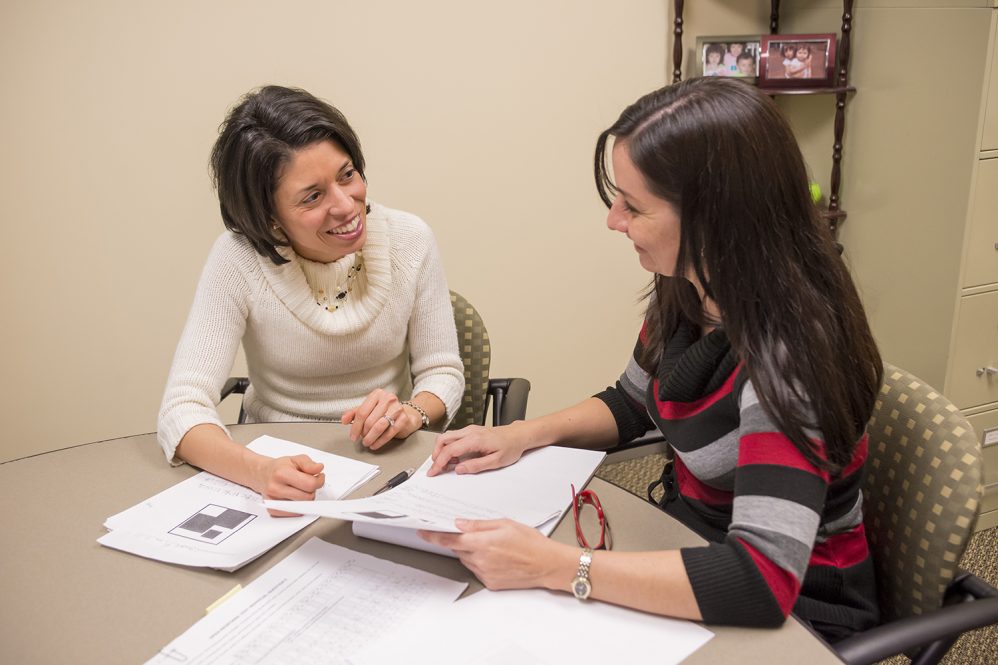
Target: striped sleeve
[
  {"x": 778, "y": 501},
  {"x": 626, "y": 400}
]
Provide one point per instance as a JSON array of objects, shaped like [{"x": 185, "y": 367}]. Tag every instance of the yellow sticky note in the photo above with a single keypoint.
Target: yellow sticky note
[{"x": 229, "y": 594}]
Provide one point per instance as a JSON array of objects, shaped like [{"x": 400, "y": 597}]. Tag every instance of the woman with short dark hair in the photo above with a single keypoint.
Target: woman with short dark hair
[
  {"x": 755, "y": 361},
  {"x": 341, "y": 305}
]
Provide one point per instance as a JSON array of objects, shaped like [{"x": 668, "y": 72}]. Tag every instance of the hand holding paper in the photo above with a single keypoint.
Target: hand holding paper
[
  {"x": 295, "y": 477},
  {"x": 532, "y": 492}
]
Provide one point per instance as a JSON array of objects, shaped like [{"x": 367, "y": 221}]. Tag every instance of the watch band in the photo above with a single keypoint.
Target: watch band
[
  {"x": 581, "y": 586},
  {"x": 420, "y": 411}
]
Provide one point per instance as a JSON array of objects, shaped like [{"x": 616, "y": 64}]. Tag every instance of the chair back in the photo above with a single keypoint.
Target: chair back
[
  {"x": 476, "y": 354},
  {"x": 923, "y": 488}
]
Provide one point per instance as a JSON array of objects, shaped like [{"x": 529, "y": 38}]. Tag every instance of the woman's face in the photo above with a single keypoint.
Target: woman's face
[
  {"x": 735, "y": 49},
  {"x": 649, "y": 222},
  {"x": 320, "y": 203}
]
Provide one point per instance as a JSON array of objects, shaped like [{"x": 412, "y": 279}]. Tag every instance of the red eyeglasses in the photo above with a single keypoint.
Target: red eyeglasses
[{"x": 589, "y": 497}]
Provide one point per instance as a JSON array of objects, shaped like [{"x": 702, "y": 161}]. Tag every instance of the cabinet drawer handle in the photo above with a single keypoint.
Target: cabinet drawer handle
[{"x": 981, "y": 371}]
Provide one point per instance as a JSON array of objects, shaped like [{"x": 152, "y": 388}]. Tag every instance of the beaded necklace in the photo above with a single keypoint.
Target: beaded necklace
[{"x": 331, "y": 304}]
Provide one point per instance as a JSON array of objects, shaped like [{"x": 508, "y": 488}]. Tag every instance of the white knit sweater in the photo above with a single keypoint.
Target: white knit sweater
[{"x": 395, "y": 331}]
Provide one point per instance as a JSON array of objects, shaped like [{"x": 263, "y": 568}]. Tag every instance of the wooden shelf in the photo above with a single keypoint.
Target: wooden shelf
[
  {"x": 834, "y": 90},
  {"x": 841, "y": 92}
]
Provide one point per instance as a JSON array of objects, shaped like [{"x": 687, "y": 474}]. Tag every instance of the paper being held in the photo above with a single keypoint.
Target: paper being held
[{"x": 532, "y": 492}]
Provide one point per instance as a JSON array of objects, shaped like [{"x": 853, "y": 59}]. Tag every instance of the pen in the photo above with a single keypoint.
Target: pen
[{"x": 395, "y": 481}]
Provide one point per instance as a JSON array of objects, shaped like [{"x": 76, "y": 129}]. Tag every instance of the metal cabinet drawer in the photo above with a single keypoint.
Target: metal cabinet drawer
[
  {"x": 973, "y": 376},
  {"x": 981, "y": 263},
  {"x": 990, "y": 139}
]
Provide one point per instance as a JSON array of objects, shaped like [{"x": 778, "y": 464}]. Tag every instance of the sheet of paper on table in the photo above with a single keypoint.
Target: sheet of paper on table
[
  {"x": 321, "y": 604},
  {"x": 540, "y": 628},
  {"x": 211, "y": 522},
  {"x": 535, "y": 491}
]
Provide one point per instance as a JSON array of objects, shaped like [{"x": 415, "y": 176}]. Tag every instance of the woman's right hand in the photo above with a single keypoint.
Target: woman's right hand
[
  {"x": 294, "y": 478},
  {"x": 491, "y": 447}
]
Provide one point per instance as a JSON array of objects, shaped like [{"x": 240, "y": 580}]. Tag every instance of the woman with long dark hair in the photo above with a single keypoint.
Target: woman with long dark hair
[{"x": 755, "y": 361}]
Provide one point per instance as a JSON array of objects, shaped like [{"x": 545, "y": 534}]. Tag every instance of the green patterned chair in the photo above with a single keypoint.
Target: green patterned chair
[
  {"x": 508, "y": 397},
  {"x": 923, "y": 489}
]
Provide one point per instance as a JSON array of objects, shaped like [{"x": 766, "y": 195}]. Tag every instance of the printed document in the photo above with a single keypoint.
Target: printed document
[
  {"x": 538, "y": 627},
  {"x": 535, "y": 490},
  {"x": 208, "y": 521},
  {"x": 321, "y": 604}
]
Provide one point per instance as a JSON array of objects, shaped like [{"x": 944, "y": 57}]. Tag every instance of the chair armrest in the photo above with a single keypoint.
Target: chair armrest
[
  {"x": 234, "y": 384},
  {"x": 238, "y": 385},
  {"x": 946, "y": 623},
  {"x": 509, "y": 400}
]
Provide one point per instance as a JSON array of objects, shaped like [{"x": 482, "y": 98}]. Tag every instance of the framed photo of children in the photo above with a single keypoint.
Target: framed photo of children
[
  {"x": 736, "y": 56},
  {"x": 797, "y": 61}
]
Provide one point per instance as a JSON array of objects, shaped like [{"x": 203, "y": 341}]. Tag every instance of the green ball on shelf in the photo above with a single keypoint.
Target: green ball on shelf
[{"x": 816, "y": 192}]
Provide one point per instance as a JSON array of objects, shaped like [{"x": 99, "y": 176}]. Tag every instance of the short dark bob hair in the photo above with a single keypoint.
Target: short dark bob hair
[{"x": 255, "y": 142}]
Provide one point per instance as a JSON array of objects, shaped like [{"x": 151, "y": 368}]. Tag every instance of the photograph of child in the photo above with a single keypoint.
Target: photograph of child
[
  {"x": 737, "y": 59},
  {"x": 797, "y": 60}
]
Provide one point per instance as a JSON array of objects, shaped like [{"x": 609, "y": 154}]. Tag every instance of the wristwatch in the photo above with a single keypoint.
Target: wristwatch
[
  {"x": 581, "y": 586},
  {"x": 420, "y": 411}
]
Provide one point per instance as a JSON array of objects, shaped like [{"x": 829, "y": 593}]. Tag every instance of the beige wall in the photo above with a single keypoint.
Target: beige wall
[{"x": 480, "y": 117}]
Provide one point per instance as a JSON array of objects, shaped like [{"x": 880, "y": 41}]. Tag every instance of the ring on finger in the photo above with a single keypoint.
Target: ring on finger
[{"x": 391, "y": 421}]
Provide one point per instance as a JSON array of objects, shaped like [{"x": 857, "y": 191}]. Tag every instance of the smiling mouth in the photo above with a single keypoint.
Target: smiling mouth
[{"x": 343, "y": 229}]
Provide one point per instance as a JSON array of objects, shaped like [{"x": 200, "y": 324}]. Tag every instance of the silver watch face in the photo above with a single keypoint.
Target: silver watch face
[{"x": 581, "y": 588}]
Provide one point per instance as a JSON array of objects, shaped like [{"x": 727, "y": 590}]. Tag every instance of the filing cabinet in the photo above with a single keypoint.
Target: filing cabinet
[{"x": 972, "y": 370}]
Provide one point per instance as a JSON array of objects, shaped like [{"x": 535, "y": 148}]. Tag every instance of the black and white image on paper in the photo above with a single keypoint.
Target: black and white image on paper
[{"x": 213, "y": 524}]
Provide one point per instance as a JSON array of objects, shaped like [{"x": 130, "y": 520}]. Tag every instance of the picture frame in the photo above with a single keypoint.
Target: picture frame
[
  {"x": 797, "y": 61},
  {"x": 729, "y": 50}
]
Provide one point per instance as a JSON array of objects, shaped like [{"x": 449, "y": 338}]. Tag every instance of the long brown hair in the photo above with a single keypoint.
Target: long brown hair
[{"x": 720, "y": 151}]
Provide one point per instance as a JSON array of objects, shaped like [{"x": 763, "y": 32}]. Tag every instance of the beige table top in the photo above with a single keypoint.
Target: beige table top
[{"x": 66, "y": 599}]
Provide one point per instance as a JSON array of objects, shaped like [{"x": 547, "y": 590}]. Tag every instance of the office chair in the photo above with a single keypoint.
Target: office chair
[
  {"x": 508, "y": 397},
  {"x": 922, "y": 493}
]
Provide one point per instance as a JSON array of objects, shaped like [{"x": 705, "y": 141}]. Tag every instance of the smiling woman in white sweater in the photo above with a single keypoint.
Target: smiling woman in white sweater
[{"x": 341, "y": 305}]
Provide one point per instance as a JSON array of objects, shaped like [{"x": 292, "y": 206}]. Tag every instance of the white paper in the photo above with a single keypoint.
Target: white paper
[
  {"x": 410, "y": 537},
  {"x": 208, "y": 521},
  {"x": 537, "y": 627},
  {"x": 321, "y": 604},
  {"x": 533, "y": 491}
]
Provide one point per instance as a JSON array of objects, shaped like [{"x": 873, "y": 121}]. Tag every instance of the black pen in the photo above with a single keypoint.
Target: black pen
[{"x": 395, "y": 481}]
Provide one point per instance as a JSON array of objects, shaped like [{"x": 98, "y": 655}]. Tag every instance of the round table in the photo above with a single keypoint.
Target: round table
[{"x": 67, "y": 599}]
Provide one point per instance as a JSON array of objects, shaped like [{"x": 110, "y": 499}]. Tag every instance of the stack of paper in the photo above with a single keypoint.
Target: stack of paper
[
  {"x": 208, "y": 521},
  {"x": 321, "y": 604},
  {"x": 535, "y": 491},
  {"x": 537, "y": 627}
]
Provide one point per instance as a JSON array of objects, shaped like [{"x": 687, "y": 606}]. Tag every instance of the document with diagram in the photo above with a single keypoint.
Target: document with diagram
[{"x": 212, "y": 522}]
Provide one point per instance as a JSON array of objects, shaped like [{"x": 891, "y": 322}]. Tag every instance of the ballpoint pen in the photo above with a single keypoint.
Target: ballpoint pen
[{"x": 396, "y": 480}]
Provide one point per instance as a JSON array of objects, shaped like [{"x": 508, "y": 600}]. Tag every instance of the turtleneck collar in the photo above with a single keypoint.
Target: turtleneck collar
[
  {"x": 293, "y": 282},
  {"x": 693, "y": 367}
]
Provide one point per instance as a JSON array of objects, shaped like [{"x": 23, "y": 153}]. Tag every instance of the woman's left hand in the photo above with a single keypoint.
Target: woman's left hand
[
  {"x": 379, "y": 419},
  {"x": 504, "y": 554}
]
